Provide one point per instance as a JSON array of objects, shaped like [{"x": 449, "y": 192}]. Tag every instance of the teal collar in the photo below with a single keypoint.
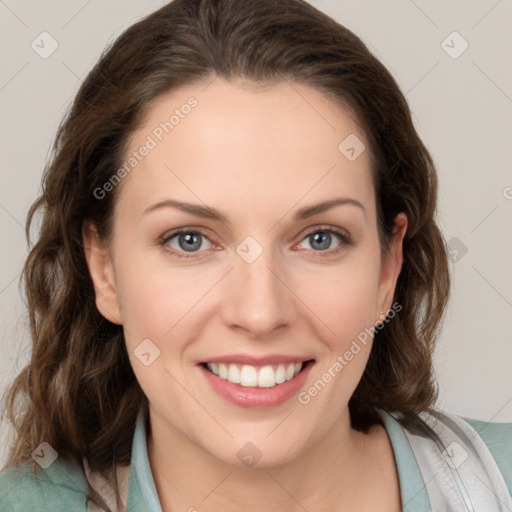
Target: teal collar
[
  {"x": 412, "y": 487},
  {"x": 142, "y": 493}
]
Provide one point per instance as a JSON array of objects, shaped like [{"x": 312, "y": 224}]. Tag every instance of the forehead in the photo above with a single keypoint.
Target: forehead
[{"x": 241, "y": 143}]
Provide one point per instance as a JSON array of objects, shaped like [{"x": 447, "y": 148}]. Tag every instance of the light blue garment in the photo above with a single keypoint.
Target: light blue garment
[
  {"x": 428, "y": 476},
  {"x": 62, "y": 488}
]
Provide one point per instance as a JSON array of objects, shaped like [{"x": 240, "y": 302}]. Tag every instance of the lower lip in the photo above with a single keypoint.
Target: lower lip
[{"x": 262, "y": 398}]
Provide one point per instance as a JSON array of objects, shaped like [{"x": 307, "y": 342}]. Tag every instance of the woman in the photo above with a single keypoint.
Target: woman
[{"x": 238, "y": 284}]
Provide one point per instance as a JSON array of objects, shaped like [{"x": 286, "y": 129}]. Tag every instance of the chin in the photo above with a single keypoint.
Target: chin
[{"x": 258, "y": 455}]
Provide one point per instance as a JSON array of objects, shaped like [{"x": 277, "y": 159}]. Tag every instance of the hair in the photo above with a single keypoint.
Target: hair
[{"x": 79, "y": 392}]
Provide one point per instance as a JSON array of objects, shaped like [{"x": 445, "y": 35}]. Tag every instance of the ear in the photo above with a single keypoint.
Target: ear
[
  {"x": 101, "y": 271},
  {"x": 391, "y": 266}
]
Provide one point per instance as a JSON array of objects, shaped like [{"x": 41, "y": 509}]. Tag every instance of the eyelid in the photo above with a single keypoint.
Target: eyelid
[
  {"x": 325, "y": 227},
  {"x": 165, "y": 238},
  {"x": 342, "y": 234}
]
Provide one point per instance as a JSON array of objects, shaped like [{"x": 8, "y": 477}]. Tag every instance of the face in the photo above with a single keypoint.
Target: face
[{"x": 255, "y": 273}]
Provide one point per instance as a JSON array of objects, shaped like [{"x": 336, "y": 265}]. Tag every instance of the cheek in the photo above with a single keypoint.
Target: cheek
[
  {"x": 161, "y": 301},
  {"x": 149, "y": 300},
  {"x": 344, "y": 300},
  {"x": 343, "y": 296}
]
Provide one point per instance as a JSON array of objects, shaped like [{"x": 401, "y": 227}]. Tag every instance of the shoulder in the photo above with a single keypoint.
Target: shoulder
[
  {"x": 498, "y": 439},
  {"x": 58, "y": 488}
]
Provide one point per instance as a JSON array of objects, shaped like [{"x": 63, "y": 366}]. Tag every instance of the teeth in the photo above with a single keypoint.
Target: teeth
[
  {"x": 223, "y": 371},
  {"x": 280, "y": 375},
  {"x": 266, "y": 377},
  {"x": 290, "y": 371},
  {"x": 248, "y": 375},
  {"x": 233, "y": 374},
  {"x": 251, "y": 376}
]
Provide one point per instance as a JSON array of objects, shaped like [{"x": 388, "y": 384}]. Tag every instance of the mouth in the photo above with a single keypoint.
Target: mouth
[
  {"x": 257, "y": 376},
  {"x": 256, "y": 385}
]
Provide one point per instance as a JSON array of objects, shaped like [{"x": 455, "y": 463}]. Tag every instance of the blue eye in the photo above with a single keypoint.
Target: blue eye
[
  {"x": 321, "y": 239},
  {"x": 190, "y": 241},
  {"x": 187, "y": 240}
]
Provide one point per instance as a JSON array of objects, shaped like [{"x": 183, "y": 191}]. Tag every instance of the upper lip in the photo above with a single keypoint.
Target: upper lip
[{"x": 257, "y": 360}]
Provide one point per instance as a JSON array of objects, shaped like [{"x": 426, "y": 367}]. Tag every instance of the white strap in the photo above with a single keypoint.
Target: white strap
[
  {"x": 104, "y": 488},
  {"x": 461, "y": 474}
]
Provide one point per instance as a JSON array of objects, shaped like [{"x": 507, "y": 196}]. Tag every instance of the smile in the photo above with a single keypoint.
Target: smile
[{"x": 254, "y": 386}]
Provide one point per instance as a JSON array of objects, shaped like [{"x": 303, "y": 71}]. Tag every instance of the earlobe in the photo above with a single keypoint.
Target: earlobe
[
  {"x": 392, "y": 264},
  {"x": 100, "y": 268}
]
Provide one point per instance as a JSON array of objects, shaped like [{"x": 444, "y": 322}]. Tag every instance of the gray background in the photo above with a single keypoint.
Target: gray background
[{"x": 462, "y": 109}]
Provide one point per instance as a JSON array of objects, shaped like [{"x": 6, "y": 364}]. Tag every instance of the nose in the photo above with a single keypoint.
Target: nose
[{"x": 257, "y": 300}]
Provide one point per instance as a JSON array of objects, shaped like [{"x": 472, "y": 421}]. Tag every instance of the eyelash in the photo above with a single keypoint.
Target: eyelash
[{"x": 345, "y": 241}]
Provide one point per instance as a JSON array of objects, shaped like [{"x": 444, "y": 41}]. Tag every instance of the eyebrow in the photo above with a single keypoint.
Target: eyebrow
[{"x": 211, "y": 213}]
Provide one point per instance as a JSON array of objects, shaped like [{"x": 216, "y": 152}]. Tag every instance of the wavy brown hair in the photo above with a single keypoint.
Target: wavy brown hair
[{"x": 78, "y": 391}]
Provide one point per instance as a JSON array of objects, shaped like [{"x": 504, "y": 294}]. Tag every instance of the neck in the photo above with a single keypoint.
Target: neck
[{"x": 335, "y": 469}]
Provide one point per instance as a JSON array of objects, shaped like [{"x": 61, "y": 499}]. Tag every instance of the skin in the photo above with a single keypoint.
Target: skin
[{"x": 257, "y": 155}]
